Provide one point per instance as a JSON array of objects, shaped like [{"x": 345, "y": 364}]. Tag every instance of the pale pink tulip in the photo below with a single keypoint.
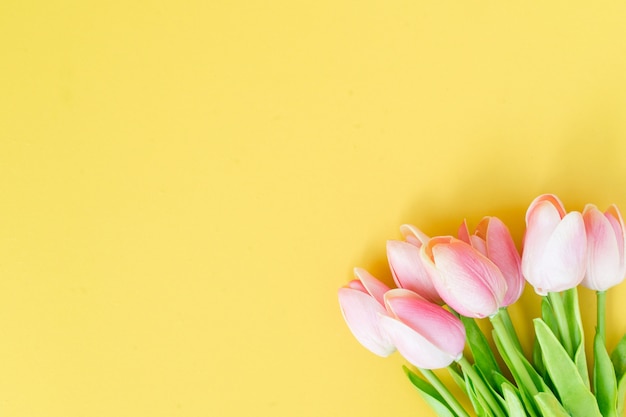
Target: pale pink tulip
[
  {"x": 407, "y": 266},
  {"x": 426, "y": 334},
  {"x": 606, "y": 242},
  {"x": 555, "y": 246},
  {"x": 465, "y": 279},
  {"x": 493, "y": 239},
  {"x": 362, "y": 305}
]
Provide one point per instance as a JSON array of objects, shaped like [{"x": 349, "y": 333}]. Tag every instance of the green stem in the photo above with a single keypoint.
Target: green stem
[
  {"x": 480, "y": 385},
  {"x": 601, "y": 298},
  {"x": 513, "y": 354},
  {"x": 561, "y": 320},
  {"x": 445, "y": 393},
  {"x": 504, "y": 313}
]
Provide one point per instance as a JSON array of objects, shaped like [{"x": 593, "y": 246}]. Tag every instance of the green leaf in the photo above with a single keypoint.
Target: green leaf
[
  {"x": 481, "y": 351},
  {"x": 550, "y": 406},
  {"x": 618, "y": 357},
  {"x": 526, "y": 396},
  {"x": 575, "y": 324},
  {"x": 514, "y": 405},
  {"x": 478, "y": 402},
  {"x": 604, "y": 381},
  {"x": 430, "y": 394},
  {"x": 457, "y": 376},
  {"x": 548, "y": 316},
  {"x": 575, "y": 396}
]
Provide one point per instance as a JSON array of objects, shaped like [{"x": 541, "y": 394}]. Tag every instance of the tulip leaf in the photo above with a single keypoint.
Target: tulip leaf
[
  {"x": 430, "y": 394},
  {"x": 481, "y": 351},
  {"x": 514, "y": 405},
  {"x": 550, "y": 406},
  {"x": 457, "y": 376},
  {"x": 526, "y": 396},
  {"x": 575, "y": 396},
  {"x": 478, "y": 402},
  {"x": 548, "y": 316},
  {"x": 618, "y": 357},
  {"x": 575, "y": 323},
  {"x": 604, "y": 380}
]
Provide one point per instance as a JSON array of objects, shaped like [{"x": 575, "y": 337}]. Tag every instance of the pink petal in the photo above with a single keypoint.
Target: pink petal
[
  {"x": 408, "y": 269},
  {"x": 464, "y": 233},
  {"x": 501, "y": 250},
  {"x": 373, "y": 286},
  {"x": 433, "y": 322},
  {"x": 362, "y": 314},
  {"x": 542, "y": 218},
  {"x": 617, "y": 222},
  {"x": 414, "y": 347},
  {"x": 413, "y": 235},
  {"x": 469, "y": 282},
  {"x": 563, "y": 262},
  {"x": 604, "y": 263}
]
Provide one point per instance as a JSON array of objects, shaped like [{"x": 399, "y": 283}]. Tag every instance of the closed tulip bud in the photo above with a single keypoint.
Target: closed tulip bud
[
  {"x": 555, "y": 246},
  {"x": 493, "y": 239},
  {"x": 606, "y": 243},
  {"x": 362, "y": 305},
  {"x": 426, "y": 334},
  {"x": 465, "y": 279},
  {"x": 407, "y": 266}
]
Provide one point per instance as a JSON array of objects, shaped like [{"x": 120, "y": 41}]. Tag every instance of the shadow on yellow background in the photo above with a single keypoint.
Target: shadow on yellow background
[{"x": 186, "y": 185}]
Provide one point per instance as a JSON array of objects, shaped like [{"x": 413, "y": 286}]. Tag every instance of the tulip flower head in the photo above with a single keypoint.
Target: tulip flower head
[
  {"x": 426, "y": 334},
  {"x": 493, "y": 239},
  {"x": 606, "y": 243},
  {"x": 407, "y": 265},
  {"x": 465, "y": 279},
  {"x": 555, "y": 246},
  {"x": 362, "y": 305}
]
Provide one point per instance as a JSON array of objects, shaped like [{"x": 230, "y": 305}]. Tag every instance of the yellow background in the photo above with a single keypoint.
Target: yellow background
[{"x": 185, "y": 185}]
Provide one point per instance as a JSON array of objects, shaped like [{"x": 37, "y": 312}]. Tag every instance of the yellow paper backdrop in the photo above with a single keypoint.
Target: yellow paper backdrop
[{"x": 185, "y": 185}]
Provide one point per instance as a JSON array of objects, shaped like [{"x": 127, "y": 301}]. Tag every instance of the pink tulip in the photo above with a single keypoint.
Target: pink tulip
[
  {"x": 407, "y": 266},
  {"x": 555, "y": 246},
  {"x": 606, "y": 242},
  {"x": 465, "y": 279},
  {"x": 426, "y": 334},
  {"x": 362, "y": 305},
  {"x": 493, "y": 239}
]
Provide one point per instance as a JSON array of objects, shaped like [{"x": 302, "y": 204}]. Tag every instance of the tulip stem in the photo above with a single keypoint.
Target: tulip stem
[
  {"x": 601, "y": 304},
  {"x": 481, "y": 387},
  {"x": 561, "y": 319},
  {"x": 445, "y": 393},
  {"x": 506, "y": 319}
]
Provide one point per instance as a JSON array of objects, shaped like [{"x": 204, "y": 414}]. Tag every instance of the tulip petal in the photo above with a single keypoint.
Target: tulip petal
[
  {"x": 372, "y": 285},
  {"x": 563, "y": 262},
  {"x": 414, "y": 347},
  {"x": 464, "y": 233},
  {"x": 541, "y": 220},
  {"x": 604, "y": 266},
  {"x": 501, "y": 249},
  {"x": 413, "y": 235},
  {"x": 362, "y": 314},
  {"x": 408, "y": 269},
  {"x": 468, "y": 281},
  {"x": 433, "y": 322}
]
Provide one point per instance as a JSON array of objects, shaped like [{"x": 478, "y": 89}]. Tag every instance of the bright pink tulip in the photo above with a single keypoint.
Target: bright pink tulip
[
  {"x": 426, "y": 334},
  {"x": 466, "y": 279},
  {"x": 407, "y": 266},
  {"x": 555, "y": 246},
  {"x": 362, "y": 305},
  {"x": 606, "y": 242},
  {"x": 493, "y": 239}
]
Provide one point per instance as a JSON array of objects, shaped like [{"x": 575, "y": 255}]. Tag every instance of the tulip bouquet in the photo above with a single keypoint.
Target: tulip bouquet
[{"x": 444, "y": 284}]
